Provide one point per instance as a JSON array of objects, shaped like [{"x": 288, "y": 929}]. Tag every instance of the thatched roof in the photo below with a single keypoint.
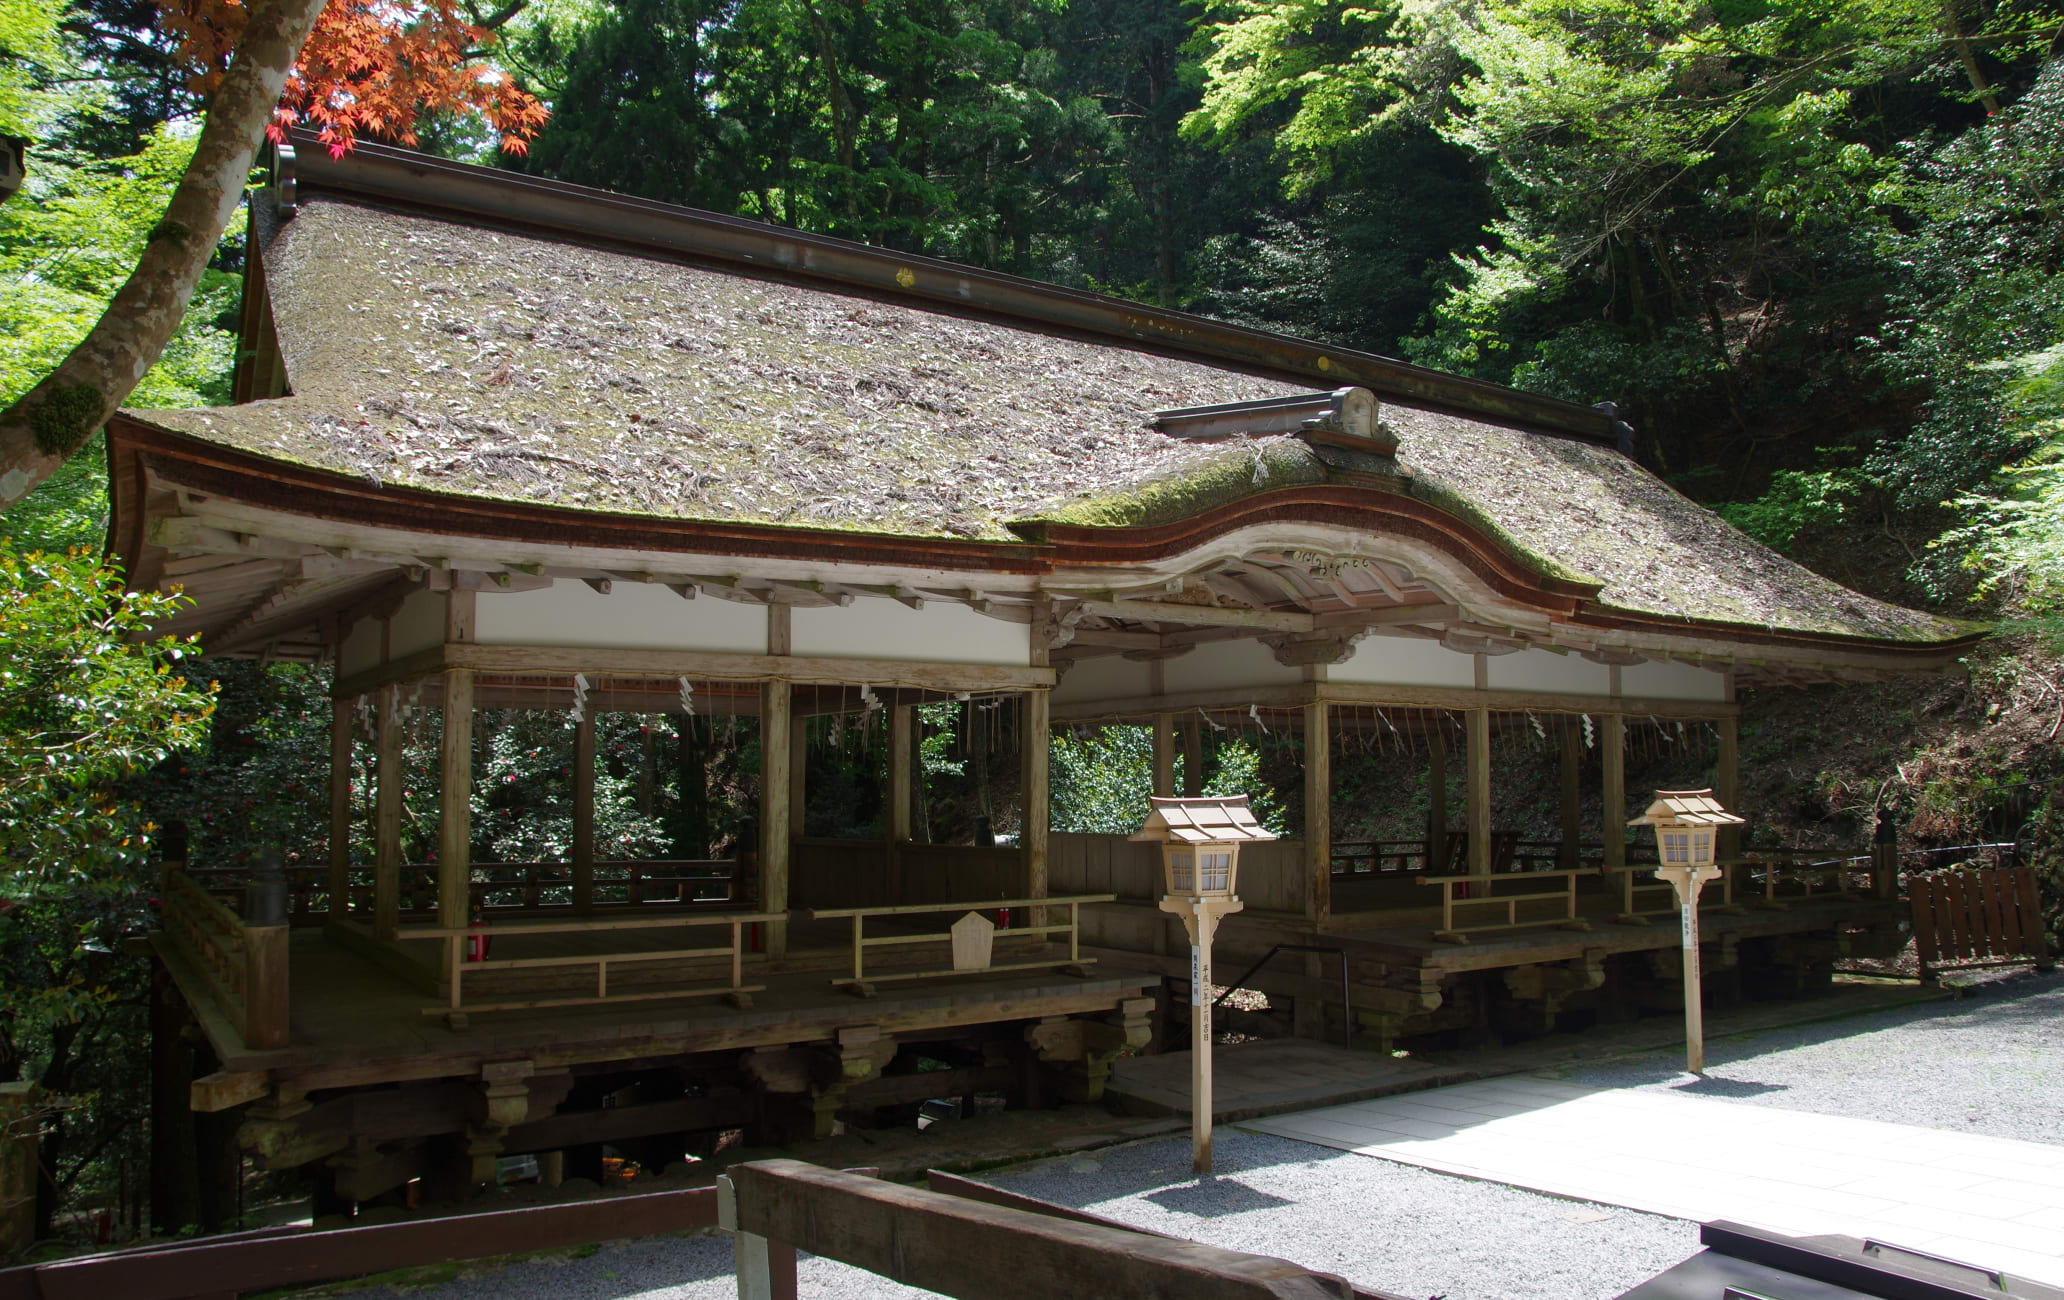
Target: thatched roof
[{"x": 445, "y": 355}]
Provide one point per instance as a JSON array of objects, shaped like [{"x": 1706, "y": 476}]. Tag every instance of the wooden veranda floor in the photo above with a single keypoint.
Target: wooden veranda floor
[{"x": 354, "y": 1021}]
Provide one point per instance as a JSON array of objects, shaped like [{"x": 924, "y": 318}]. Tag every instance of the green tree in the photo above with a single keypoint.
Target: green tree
[{"x": 88, "y": 699}]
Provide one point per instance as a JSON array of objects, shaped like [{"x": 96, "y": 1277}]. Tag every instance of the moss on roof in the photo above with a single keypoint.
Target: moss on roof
[{"x": 459, "y": 359}]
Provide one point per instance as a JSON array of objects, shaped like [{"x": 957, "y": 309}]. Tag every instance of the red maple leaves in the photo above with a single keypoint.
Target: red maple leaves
[{"x": 369, "y": 68}]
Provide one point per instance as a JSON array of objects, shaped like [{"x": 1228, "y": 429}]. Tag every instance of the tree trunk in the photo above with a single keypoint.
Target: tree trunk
[{"x": 51, "y": 421}]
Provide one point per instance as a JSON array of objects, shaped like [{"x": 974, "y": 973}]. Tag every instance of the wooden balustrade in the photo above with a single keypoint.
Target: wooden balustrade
[
  {"x": 971, "y": 953},
  {"x": 1484, "y": 891},
  {"x": 1643, "y": 897},
  {"x": 1810, "y": 871},
  {"x": 245, "y": 966},
  {"x": 1378, "y": 857},
  {"x": 459, "y": 967},
  {"x": 497, "y": 886}
]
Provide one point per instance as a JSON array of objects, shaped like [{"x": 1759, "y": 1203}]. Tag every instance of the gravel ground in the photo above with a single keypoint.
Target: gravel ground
[
  {"x": 1387, "y": 1226},
  {"x": 1990, "y": 1062}
]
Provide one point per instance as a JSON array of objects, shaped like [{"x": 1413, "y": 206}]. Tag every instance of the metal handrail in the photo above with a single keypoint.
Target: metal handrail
[{"x": 1346, "y": 1000}]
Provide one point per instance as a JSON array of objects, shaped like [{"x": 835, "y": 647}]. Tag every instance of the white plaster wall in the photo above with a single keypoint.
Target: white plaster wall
[
  {"x": 1406, "y": 661},
  {"x": 1218, "y": 665},
  {"x": 361, "y": 648},
  {"x": 1672, "y": 681},
  {"x": 1107, "y": 677},
  {"x": 633, "y": 616},
  {"x": 1544, "y": 670},
  {"x": 418, "y": 624},
  {"x": 875, "y": 628}
]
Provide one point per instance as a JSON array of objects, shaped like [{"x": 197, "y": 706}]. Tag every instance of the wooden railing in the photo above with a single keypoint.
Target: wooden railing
[
  {"x": 458, "y": 967},
  {"x": 497, "y": 886},
  {"x": 1378, "y": 857},
  {"x": 1812, "y": 871},
  {"x": 245, "y": 966},
  {"x": 965, "y": 957},
  {"x": 1483, "y": 892},
  {"x": 1643, "y": 897}
]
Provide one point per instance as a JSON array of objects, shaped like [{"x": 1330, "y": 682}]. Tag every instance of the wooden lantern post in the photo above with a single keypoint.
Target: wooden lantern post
[
  {"x": 1686, "y": 822},
  {"x": 1200, "y": 859}
]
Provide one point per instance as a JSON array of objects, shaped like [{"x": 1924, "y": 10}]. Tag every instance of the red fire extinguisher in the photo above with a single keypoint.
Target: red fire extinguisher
[{"x": 476, "y": 944}]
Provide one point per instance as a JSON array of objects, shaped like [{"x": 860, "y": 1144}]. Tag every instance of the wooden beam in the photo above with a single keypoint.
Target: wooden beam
[
  {"x": 1387, "y": 616},
  {"x": 1318, "y": 815},
  {"x": 455, "y": 805},
  {"x": 1164, "y": 755},
  {"x": 225, "y": 1089},
  {"x": 780, "y": 630},
  {"x": 340, "y": 809},
  {"x": 584, "y": 812},
  {"x": 698, "y": 665},
  {"x": 776, "y": 735},
  {"x": 1479, "y": 788},
  {"x": 387, "y": 812},
  {"x": 900, "y": 729},
  {"x": 1612, "y": 751},
  {"x": 1150, "y": 611}
]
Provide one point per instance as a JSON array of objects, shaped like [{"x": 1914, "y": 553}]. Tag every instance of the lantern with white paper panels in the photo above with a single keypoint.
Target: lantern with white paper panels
[
  {"x": 1685, "y": 822},
  {"x": 1200, "y": 843}
]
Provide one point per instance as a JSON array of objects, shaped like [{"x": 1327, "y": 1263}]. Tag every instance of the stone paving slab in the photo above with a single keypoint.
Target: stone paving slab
[
  {"x": 1273, "y": 1076},
  {"x": 1991, "y": 1201}
]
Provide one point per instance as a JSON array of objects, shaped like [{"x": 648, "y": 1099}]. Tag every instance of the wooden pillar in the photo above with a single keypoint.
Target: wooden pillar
[
  {"x": 1318, "y": 814},
  {"x": 1612, "y": 751},
  {"x": 901, "y": 727},
  {"x": 1572, "y": 792},
  {"x": 455, "y": 806},
  {"x": 1193, "y": 756},
  {"x": 1479, "y": 791},
  {"x": 387, "y": 812},
  {"x": 175, "y": 1196},
  {"x": 1437, "y": 796},
  {"x": 776, "y": 737},
  {"x": 1727, "y": 787},
  {"x": 340, "y": 810},
  {"x": 584, "y": 811},
  {"x": 798, "y": 777},
  {"x": 1164, "y": 755},
  {"x": 21, "y": 1125},
  {"x": 1035, "y": 738}
]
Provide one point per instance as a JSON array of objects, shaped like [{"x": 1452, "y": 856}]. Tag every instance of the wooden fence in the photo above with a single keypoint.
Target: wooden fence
[
  {"x": 244, "y": 966},
  {"x": 1977, "y": 916}
]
